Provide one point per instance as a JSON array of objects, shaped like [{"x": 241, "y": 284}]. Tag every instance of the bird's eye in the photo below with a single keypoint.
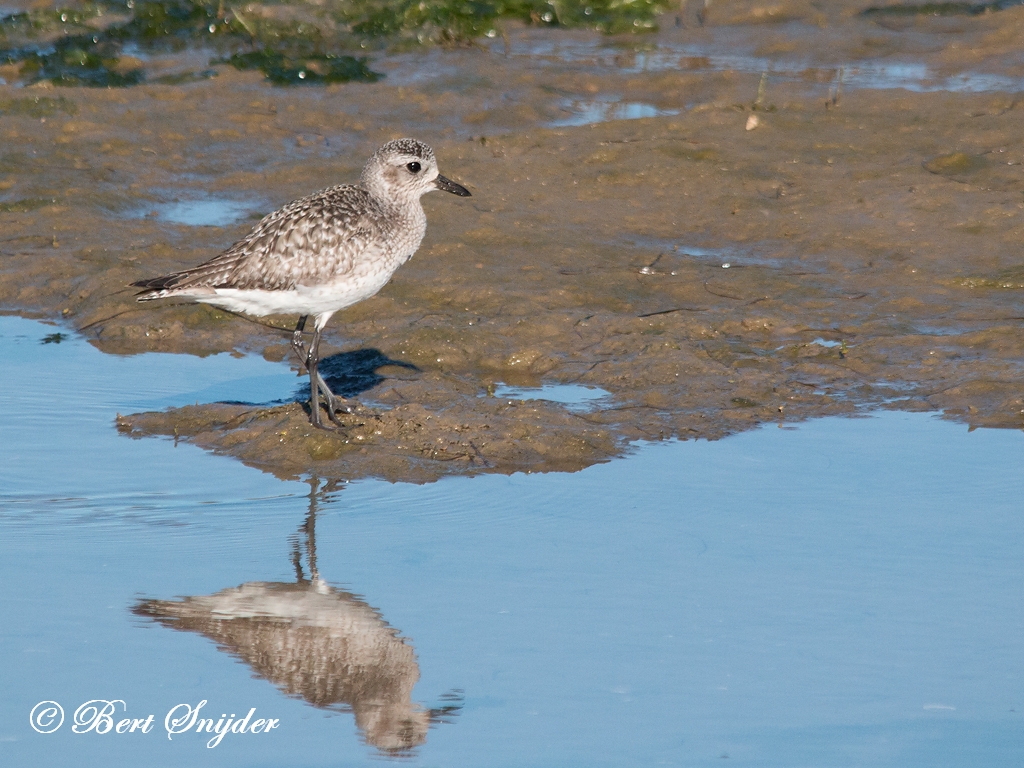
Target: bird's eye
[{"x": 414, "y": 167}]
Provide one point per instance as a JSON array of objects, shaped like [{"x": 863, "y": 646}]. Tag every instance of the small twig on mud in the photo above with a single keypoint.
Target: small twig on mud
[
  {"x": 638, "y": 140},
  {"x": 723, "y": 295},
  {"x": 932, "y": 393},
  {"x": 592, "y": 367},
  {"x": 761, "y": 88},
  {"x": 105, "y": 319},
  {"x": 238, "y": 420},
  {"x": 1000, "y": 113},
  {"x": 833, "y": 98},
  {"x": 653, "y": 263},
  {"x": 423, "y": 317},
  {"x": 483, "y": 459},
  {"x": 589, "y": 346},
  {"x": 674, "y": 309},
  {"x": 632, "y": 407}
]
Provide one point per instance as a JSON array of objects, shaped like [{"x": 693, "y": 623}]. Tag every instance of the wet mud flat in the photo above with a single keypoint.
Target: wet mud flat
[{"x": 769, "y": 246}]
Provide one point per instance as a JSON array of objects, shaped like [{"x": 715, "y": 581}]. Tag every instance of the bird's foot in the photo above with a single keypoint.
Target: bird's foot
[
  {"x": 333, "y": 416},
  {"x": 332, "y": 404},
  {"x": 336, "y": 425},
  {"x": 316, "y": 418},
  {"x": 335, "y": 404}
]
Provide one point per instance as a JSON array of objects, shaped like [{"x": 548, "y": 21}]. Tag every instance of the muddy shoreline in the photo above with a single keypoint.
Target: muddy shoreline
[{"x": 872, "y": 237}]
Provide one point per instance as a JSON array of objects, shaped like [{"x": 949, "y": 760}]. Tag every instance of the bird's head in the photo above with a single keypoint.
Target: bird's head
[{"x": 406, "y": 169}]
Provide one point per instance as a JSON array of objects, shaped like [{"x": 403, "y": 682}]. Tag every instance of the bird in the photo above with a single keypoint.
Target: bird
[
  {"x": 315, "y": 641},
  {"x": 320, "y": 254}
]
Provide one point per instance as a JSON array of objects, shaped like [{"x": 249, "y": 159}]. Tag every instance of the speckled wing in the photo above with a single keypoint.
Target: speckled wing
[{"x": 313, "y": 240}]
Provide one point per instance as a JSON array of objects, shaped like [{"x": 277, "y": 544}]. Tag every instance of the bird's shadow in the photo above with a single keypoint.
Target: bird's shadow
[{"x": 349, "y": 374}]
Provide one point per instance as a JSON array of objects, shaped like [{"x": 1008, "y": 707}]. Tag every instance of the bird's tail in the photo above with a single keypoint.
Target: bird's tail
[{"x": 155, "y": 287}]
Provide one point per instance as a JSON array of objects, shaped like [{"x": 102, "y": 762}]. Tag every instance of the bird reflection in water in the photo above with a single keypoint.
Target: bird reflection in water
[{"x": 316, "y": 642}]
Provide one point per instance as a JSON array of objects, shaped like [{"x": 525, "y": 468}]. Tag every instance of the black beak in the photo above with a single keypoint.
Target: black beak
[{"x": 450, "y": 186}]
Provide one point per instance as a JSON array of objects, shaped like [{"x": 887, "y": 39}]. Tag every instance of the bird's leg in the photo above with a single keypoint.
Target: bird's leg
[
  {"x": 312, "y": 362},
  {"x": 334, "y": 402},
  {"x": 311, "y": 359},
  {"x": 297, "y": 344},
  {"x": 318, "y": 387},
  {"x": 299, "y": 348}
]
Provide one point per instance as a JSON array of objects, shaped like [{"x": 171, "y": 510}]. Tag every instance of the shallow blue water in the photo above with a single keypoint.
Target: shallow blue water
[
  {"x": 844, "y": 593},
  {"x": 726, "y": 54},
  {"x": 206, "y": 212},
  {"x": 573, "y": 396},
  {"x": 587, "y": 112}
]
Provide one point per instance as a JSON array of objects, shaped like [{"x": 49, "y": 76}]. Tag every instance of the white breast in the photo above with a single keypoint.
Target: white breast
[{"x": 364, "y": 281}]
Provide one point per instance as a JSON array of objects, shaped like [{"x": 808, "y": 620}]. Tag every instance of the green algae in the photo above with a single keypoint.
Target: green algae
[
  {"x": 305, "y": 70},
  {"x": 41, "y": 22},
  {"x": 183, "y": 78},
  {"x": 291, "y": 43},
  {"x": 460, "y": 21},
  {"x": 1012, "y": 278},
  {"x": 27, "y": 204},
  {"x": 956, "y": 164},
  {"x": 38, "y": 106},
  {"x": 80, "y": 60}
]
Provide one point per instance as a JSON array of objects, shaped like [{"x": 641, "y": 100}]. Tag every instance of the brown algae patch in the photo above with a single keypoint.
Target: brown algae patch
[{"x": 849, "y": 252}]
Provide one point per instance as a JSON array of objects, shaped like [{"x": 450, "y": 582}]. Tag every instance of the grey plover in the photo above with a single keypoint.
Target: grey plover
[{"x": 320, "y": 254}]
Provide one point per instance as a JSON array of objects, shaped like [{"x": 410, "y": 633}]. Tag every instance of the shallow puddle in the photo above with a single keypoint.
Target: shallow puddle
[
  {"x": 722, "y": 56},
  {"x": 573, "y": 395},
  {"x": 910, "y": 76},
  {"x": 207, "y": 212},
  {"x": 588, "y": 112},
  {"x": 809, "y": 595}
]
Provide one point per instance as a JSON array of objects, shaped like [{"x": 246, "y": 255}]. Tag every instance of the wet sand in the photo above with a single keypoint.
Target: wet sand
[{"x": 871, "y": 235}]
